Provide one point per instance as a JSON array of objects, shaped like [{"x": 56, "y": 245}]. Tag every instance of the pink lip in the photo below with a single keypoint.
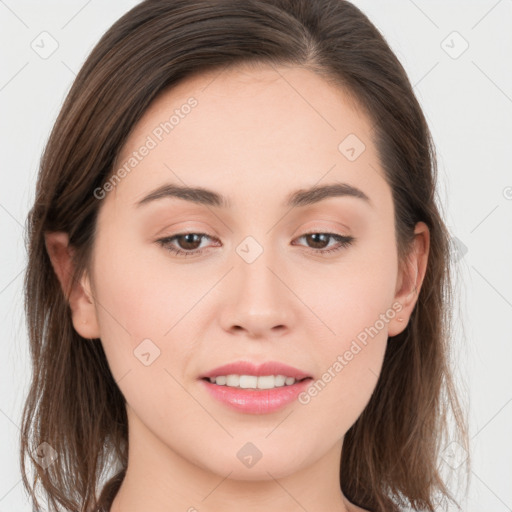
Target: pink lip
[
  {"x": 256, "y": 401},
  {"x": 247, "y": 368}
]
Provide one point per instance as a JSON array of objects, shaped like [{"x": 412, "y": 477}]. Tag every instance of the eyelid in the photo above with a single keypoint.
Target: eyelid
[
  {"x": 332, "y": 227},
  {"x": 183, "y": 227}
]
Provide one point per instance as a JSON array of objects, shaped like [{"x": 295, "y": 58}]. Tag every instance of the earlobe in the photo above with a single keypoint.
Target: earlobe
[
  {"x": 411, "y": 279},
  {"x": 77, "y": 293}
]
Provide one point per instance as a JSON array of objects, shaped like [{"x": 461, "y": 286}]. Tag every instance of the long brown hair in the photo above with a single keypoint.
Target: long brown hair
[{"x": 74, "y": 408}]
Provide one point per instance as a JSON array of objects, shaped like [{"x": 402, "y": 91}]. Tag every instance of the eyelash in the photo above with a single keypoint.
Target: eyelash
[{"x": 344, "y": 241}]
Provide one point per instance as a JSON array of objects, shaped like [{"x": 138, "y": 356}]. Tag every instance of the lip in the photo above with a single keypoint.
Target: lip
[
  {"x": 248, "y": 368},
  {"x": 256, "y": 401}
]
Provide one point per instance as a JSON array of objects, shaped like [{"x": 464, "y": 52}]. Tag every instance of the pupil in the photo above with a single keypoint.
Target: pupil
[
  {"x": 316, "y": 236},
  {"x": 188, "y": 240}
]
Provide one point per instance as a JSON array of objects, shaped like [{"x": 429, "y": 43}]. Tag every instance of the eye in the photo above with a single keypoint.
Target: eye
[
  {"x": 319, "y": 241},
  {"x": 188, "y": 240},
  {"x": 189, "y": 244}
]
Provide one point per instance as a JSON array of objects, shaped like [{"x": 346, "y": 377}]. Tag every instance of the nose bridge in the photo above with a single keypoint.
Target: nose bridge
[{"x": 258, "y": 301}]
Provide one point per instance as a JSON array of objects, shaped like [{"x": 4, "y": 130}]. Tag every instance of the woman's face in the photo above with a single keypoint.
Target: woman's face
[{"x": 257, "y": 285}]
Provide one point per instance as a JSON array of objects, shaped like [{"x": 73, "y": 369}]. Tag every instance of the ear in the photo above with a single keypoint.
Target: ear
[
  {"x": 77, "y": 293},
  {"x": 410, "y": 278}
]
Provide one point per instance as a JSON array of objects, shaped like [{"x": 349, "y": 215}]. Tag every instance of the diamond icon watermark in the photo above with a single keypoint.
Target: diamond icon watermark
[
  {"x": 454, "y": 45},
  {"x": 146, "y": 352},
  {"x": 351, "y": 147},
  {"x": 249, "y": 249},
  {"x": 45, "y": 455},
  {"x": 454, "y": 455},
  {"x": 45, "y": 45},
  {"x": 249, "y": 455}
]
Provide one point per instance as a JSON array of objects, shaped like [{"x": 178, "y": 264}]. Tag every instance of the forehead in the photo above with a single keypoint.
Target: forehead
[{"x": 246, "y": 130}]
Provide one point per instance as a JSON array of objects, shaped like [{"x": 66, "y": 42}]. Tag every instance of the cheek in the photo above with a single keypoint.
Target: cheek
[
  {"x": 147, "y": 313},
  {"x": 143, "y": 294},
  {"x": 352, "y": 296},
  {"x": 355, "y": 310},
  {"x": 349, "y": 364}
]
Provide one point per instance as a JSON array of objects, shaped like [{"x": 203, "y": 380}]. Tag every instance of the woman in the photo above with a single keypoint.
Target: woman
[{"x": 238, "y": 283}]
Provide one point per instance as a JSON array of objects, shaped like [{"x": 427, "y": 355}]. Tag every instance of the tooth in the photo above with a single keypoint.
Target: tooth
[
  {"x": 233, "y": 380},
  {"x": 221, "y": 380},
  {"x": 266, "y": 382},
  {"x": 248, "y": 381},
  {"x": 280, "y": 380},
  {"x": 289, "y": 381}
]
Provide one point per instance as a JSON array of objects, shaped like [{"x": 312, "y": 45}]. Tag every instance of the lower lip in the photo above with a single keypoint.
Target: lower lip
[{"x": 257, "y": 401}]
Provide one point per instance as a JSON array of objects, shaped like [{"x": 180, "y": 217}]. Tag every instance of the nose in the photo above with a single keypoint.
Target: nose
[{"x": 258, "y": 302}]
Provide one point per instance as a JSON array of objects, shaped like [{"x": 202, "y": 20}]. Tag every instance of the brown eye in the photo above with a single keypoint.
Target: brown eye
[
  {"x": 184, "y": 244},
  {"x": 319, "y": 241},
  {"x": 190, "y": 241}
]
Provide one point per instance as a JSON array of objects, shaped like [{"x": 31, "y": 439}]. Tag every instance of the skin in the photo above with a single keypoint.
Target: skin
[{"x": 256, "y": 135}]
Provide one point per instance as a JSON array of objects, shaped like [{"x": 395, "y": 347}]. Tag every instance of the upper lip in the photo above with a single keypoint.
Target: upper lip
[{"x": 248, "y": 368}]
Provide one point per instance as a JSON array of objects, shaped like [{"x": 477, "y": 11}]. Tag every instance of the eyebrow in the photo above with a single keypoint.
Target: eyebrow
[{"x": 298, "y": 198}]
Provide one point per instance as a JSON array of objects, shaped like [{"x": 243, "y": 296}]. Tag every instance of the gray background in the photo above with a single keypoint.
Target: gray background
[{"x": 467, "y": 98}]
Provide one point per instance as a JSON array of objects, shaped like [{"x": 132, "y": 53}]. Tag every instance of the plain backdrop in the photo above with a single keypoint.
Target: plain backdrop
[{"x": 457, "y": 54}]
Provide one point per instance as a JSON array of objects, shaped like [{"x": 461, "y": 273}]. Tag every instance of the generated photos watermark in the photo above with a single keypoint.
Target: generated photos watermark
[
  {"x": 344, "y": 359},
  {"x": 157, "y": 135}
]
